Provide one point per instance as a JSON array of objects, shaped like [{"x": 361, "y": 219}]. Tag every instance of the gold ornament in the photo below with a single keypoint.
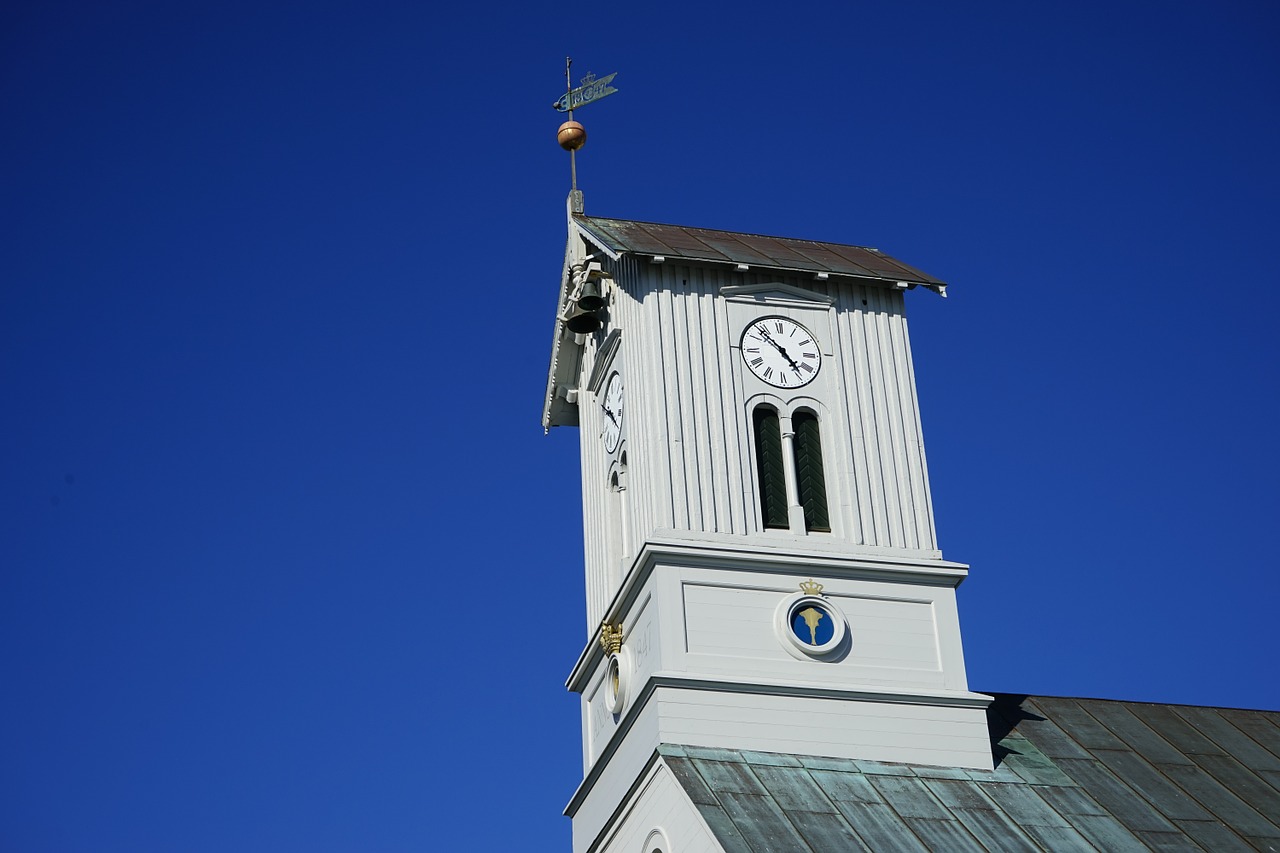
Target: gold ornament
[
  {"x": 812, "y": 616},
  {"x": 611, "y": 638}
]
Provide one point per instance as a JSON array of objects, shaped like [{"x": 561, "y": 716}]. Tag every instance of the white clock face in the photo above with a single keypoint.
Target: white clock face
[
  {"x": 781, "y": 352},
  {"x": 611, "y": 403}
]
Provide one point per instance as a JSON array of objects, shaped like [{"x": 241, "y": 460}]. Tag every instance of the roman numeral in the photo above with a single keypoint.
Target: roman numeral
[
  {"x": 756, "y": 362},
  {"x": 768, "y": 371},
  {"x": 753, "y": 349},
  {"x": 804, "y": 366},
  {"x": 809, "y": 354},
  {"x": 806, "y": 341},
  {"x": 778, "y": 325}
]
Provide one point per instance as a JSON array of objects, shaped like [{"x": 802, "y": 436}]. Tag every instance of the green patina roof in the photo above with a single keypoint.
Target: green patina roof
[{"x": 1072, "y": 774}]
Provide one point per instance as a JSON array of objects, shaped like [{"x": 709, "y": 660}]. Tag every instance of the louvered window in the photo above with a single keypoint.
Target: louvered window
[
  {"x": 809, "y": 477},
  {"x": 773, "y": 483}
]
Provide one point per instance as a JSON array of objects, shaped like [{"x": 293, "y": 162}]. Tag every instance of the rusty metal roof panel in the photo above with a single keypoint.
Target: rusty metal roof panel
[
  {"x": 621, "y": 236},
  {"x": 1079, "y": 774}
]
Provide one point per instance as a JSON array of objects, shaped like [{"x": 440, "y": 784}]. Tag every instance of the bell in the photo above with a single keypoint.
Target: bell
[
  {"x": 591, "y": 300},
  {"x": 582, "y": 322}
]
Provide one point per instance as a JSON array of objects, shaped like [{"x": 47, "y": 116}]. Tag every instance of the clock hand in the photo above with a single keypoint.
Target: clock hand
[
  {"x": 780, "y": 349},
  {"x": 610, "y": 414}
]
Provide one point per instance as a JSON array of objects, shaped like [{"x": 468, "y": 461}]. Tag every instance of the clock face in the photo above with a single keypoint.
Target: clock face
[
  {"x": 781, "y": 352},
  {"x": 611, "y": 403}
]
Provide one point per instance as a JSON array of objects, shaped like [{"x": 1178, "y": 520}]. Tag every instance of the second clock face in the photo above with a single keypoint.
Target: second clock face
[
  {"x": 781, "y": 352},
  {"x": 612, "y": 405}
]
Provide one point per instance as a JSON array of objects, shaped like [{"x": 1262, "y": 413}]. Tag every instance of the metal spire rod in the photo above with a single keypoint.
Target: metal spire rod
[{"x": 568, "y": 97}]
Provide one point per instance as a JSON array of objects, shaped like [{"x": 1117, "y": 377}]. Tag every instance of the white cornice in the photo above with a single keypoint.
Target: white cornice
[
  {"x": 681, "y": 681},
  {"x": 761, "y": 554}
]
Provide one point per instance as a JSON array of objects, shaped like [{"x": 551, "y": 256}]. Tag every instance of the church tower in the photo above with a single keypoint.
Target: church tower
[{"x": 762, "y": 572}]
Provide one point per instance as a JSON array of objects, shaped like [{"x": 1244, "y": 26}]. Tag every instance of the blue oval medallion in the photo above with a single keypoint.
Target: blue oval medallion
[{"x": 812, "y": 624}]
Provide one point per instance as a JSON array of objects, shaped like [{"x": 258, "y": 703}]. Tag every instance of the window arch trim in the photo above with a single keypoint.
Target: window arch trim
[{"x": 798, "y": 452}]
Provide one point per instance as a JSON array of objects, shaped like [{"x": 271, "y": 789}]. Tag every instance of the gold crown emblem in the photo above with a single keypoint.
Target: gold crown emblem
[
  {"x": 611, "y": 638},
  {"x": 810, "y": 587}
]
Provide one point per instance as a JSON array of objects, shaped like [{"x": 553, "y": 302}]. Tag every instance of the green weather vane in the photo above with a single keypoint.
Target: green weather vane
[
  {"x": 590, "y": 90},
  {"x": 572, "y": 135}
]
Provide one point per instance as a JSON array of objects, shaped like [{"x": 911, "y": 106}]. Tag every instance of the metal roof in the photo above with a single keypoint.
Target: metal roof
[
  {"x": 1072, "y": 774},
  {"x": 619, "y": 236}
]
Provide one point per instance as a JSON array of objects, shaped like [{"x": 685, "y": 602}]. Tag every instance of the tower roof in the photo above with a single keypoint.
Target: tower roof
[
  {"x": 659, "y": 242},
  {"x": 625, "y": 236}
]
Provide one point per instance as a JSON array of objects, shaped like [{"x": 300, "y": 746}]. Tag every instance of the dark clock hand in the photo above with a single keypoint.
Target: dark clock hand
[
  {"x": 780, "y": 349},
  {"x": 610, "y": 414}
]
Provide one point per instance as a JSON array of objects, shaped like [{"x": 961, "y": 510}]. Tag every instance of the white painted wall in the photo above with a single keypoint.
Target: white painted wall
[
  {"x": 709, "y": 668},
  {"x": 681, "y": 560},
  {"x": 659, "y": 804},
  {"x": 688, "y": 399}
]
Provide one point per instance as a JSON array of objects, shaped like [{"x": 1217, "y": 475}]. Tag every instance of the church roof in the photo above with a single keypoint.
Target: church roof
[
  {"x": 620, "y": 236},
  {"x": 1071, "y": 774}
]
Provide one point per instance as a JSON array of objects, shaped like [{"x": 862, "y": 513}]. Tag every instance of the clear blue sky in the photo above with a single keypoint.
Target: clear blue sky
[{"x": 286, "y": 562}]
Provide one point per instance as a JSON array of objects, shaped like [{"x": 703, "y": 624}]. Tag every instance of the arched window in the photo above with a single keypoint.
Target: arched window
[
  {"x": 793, "y": 487},
  {"x": 769, "y": 467},
  {"x": 810, "y": 481}
]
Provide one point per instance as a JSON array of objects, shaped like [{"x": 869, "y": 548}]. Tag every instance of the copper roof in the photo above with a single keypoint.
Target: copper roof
[
  {"x": 1071, "y": 774},
  {"x": 620, "y": 236}
]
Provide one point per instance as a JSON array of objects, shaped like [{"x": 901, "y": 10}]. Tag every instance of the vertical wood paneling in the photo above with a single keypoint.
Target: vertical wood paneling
[
  {"x": 686, "y": 430},
  {"x": 728, "y": 458},
  {"x": 593, "y": 547},
  {"x": 669, "y": 389},
  {"x": 889, "y": 436},
  {"x": 918, "y": 513},
  {"x": 737, "y": 441},
  {"x": 648, "y": 439},
  {"x": 642, "y": 465},
  {"x": 706, "y": 415},
  {"x": 691, "y": 403},
  {"x": 865, "y": 364},
  {"x": 846, "y": 430},
  {"x": 890, "y": 488},
  {"x": 925, "y": 510}
]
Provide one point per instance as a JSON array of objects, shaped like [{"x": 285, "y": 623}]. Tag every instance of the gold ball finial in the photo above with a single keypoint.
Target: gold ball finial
[{"x": 571, "y": 136}]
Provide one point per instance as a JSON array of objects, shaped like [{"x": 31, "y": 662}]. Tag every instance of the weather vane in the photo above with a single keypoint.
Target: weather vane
[{"x": 572, "y": 135}]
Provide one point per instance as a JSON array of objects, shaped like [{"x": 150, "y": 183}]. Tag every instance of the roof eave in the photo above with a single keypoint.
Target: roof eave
[{"x": 616, "y": 251}]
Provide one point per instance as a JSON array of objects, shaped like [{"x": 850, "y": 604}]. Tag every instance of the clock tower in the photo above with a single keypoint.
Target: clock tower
[{"x": 762, "y": 573}]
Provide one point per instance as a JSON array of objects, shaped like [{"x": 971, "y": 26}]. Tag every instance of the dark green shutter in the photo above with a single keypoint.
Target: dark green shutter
[
  {"x": 809, "y": 476},
  {"x": 773, "y": 484}
]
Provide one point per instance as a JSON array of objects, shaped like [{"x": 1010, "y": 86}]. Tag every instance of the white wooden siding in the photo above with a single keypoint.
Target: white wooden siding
[
  {"x": 687, "y": 425},
  {"x": 660, "y": 803}
]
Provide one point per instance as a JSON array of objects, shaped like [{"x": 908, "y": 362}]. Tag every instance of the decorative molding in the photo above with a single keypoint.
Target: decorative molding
[
  {"x": 810, "y": 605},
  {"x": 611, "y": 638},
  {"x": 657, "y": 842},
  {"x": 752, "y": 554},
  {"x": 776, "y": 293},
  {"x": 939, "y": 699},
  {"x": 617, "y": 677}
]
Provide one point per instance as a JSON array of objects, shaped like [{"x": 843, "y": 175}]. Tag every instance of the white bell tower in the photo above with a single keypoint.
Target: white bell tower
[{"x": 761, "y": 567}]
